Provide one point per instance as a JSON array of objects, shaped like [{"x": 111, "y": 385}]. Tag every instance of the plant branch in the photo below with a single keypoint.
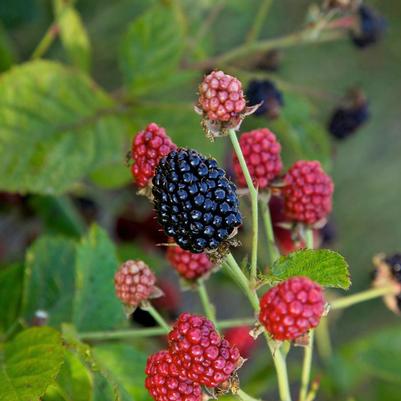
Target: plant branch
[
  {"x": 323, "y": 340},
  {"x": 207, "y": 305},
  {"x": 46, "y": 41},
  {"x": 292, "y": 39},
  {"x": 306, "y": 368},
  {"x": 154, "y": 331},
  {"x": 372, "y": 293},
  {"x": 254, "y": 204},
  {"x": 259, "y": 19},
  {"x": 271, "y": 244}
]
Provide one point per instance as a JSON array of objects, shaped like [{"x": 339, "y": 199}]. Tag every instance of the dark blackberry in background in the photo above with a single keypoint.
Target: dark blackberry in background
[
  {"x": 371, "y": 27},
  {"x": 347, "y": 118},
  {"x": 394, "y": 262},
  {"x": 195, "y": 202},
  {"x": 265, "y": 92}
]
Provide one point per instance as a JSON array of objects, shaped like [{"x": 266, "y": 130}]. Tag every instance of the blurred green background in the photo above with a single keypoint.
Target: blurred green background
[{"x": 366, "y": 168}]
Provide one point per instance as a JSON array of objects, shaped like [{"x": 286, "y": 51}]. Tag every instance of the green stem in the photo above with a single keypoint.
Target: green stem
[
  {"x": 155, "y": 331},
  {"x": 323, "y": 340},
  {"x": 237, "y": 274},
  {"x": 259, "y": 19},
  {"x": 372, "y": 293},
  {"x": 308, "y": 350},
  {"x": 156, "y": 315},
  {"x": 46, "y": 42},
  {"x": 271, "y": 244},
  {"x": 306, "y": 368},
  {"x": 281, "y": 369},
  {"x": 241, "y": 394},
  {"x": 254, "y": 204},
  {"x": 207, "y": 305},
  {"x": 278, "y": 358},
  {"x": 296, "y": 38}
]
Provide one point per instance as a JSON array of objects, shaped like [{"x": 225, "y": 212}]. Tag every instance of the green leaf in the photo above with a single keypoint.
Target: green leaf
[
  {"x": 378, "y": 354},
  {"x": 126, "y": 366},
  {"x": 56, "y": 126},
  {"x": 96, "y": 306},
  {"x": 115, "y": 175},
  {"x": 50, "y": 279},
  {"x": 29, "y": 364},
  {"x": 151, "y": 50},
  {"x": 68, "y": 222},
  {"x": 74, "y": 379},
  {"x": 10, "y": 295},
  {"x": 73, "y": 34},
  {"x": 328, "y": 268}
]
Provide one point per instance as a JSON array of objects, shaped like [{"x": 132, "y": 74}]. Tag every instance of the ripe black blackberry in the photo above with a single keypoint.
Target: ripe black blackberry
[
  {"x": 266, "y": 93},
  {"x": 350, "y": 116},
  {"x": 370, "y": 29},
  {"x": 196, "y": 203}
]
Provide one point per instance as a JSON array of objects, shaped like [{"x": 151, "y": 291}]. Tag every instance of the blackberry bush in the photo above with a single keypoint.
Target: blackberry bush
[{"x": 196, "y": 203}]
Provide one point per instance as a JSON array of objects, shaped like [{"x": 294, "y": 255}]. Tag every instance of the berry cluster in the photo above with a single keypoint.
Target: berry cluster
[
  {"x": 197, "y": 355},
  {"x": 221, "y": 97},
  {"x": 261, "y": 151},
  {"x": 307, "y": 192},
  {"x": 148, "y": 147},
  {"x": 189, "y": 266},
  {"x": 291, "y": 308},
  {"x": 134, "y": 282},
  {"x": 195, "y": 202}
]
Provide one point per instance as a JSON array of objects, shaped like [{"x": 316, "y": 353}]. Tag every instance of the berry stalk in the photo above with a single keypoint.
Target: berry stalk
[
  {"x": 308, "y": 352},
  {"x": 271, "y": 243},
  {"x": 254, "y": 203},
  {"x": 156, "y": 315},
  {"x": 306, "y": 368},
  {"x": 350, "y": 300},
  {"x": 207, "y": 305},
  {"x": 278, "y": 357}
]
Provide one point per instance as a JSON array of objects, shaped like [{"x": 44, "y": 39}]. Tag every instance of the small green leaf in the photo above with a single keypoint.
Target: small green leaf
[
  {"x": 56, "y": 126},
  {"x": 10, "y": 295},
  {"x": 96, "y": 306},
  {"x": 151, "y": 50},
  {"x": 73, "y": 34},
  {"x": 328, "y": 268},
  {"x": 29, "y": 364},
  {"x": 50, "y": 279}
]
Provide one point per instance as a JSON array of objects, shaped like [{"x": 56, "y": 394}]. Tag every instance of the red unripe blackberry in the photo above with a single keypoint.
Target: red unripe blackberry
[
  {"x": 148, "y": 147},
  {"x": 221, "y": 97},
  {"x": 240, "y": 338},
  {"x": 203, "y": 356},
  {"x": 165, "y": 383},
  {"x": 308, "y": 192},
  {"x": 262, "y": 155},
  {"x": 189, "y": 266},
  {"x": 291, "y": 308},
  {"x": 134, "y": 282}
]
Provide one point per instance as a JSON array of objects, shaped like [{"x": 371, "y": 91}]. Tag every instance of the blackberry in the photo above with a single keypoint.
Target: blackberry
[
  {"x": 371, "y": 27},
  {"x": 195, "y": 202},
  {"x": 265, "y": 92},
  {"x": 347, "y": 118}
]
